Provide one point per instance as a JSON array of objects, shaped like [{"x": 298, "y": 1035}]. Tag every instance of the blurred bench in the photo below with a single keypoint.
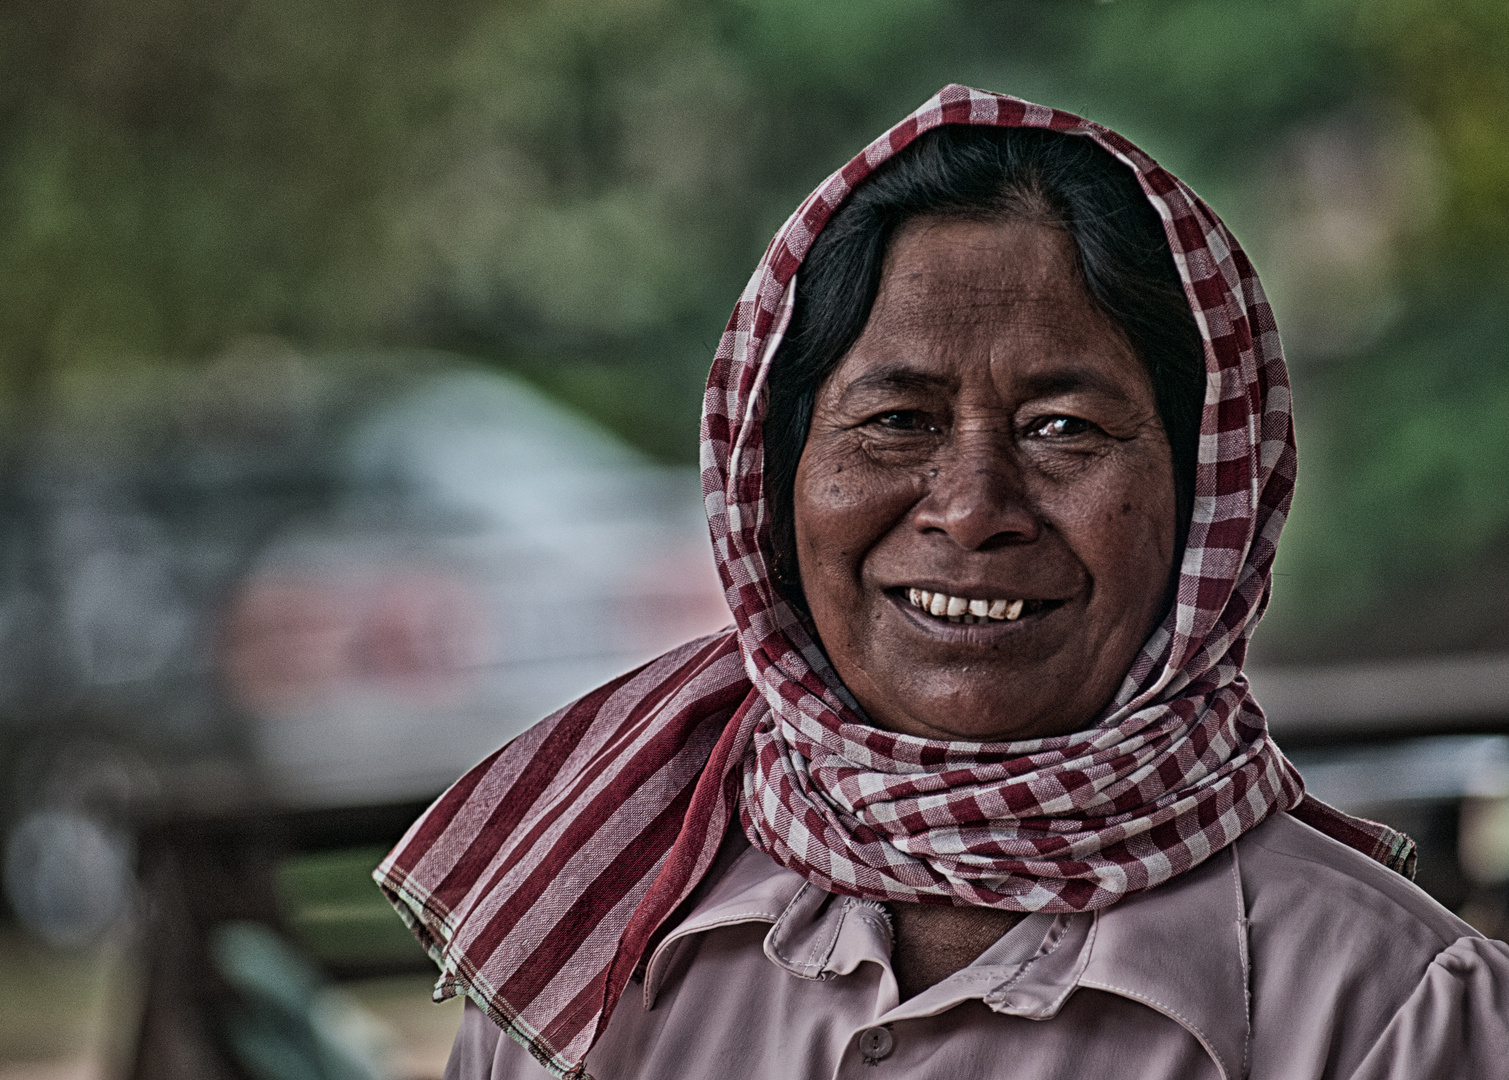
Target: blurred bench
[
  {"x": 200, "y": 873},
  {"x": 1385, "y": 699}
]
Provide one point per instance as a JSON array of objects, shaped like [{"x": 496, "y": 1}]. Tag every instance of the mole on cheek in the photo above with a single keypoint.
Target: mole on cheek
[{"x": 1126, "y": 508}]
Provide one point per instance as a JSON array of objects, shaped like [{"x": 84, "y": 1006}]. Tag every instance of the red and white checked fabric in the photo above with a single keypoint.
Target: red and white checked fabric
[{"x": 539, "y": 879}]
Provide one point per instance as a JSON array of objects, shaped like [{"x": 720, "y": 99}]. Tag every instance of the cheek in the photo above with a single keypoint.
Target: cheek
[
  {"x": 842, "y": 506},
  {"x": 1122, "y": 528}
]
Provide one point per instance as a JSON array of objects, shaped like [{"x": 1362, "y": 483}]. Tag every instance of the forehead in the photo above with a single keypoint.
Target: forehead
[
  {"x": 1013, "y": 255},
  {"x": 1004, "y": 299}
]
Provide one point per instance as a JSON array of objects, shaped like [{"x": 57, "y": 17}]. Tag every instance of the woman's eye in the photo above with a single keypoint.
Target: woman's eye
[
  {"x": 1060, "y": 426},
  {"x": 904, "y": 420}
]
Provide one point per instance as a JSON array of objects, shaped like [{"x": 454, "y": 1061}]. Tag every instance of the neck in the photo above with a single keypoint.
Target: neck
[{"x": 932, "y": 942}]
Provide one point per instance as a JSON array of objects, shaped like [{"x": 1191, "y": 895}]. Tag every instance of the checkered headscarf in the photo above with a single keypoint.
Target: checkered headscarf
[{"x": 538, "y": 880}]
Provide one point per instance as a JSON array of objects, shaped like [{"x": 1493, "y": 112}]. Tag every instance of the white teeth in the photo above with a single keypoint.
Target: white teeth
[{"x": 960, "y": 609}]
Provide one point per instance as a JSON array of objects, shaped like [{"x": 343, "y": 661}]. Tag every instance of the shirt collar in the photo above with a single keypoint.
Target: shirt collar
[{"x": 1144, "y": 948}]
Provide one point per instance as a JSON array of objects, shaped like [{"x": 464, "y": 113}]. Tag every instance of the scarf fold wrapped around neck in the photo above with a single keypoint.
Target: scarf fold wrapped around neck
[{"x": 539, "y": 879}]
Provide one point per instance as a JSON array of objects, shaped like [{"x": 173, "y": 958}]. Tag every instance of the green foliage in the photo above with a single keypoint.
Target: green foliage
[
  {"x": 177, "y": 174},
  {"x": 833, "y": 45},
  {"x": 1418, "y": 441},
  {"x": 577, "y": 189},
  {"x": 1450, "y": 60},
  {"x": 1220, "y": 77}
]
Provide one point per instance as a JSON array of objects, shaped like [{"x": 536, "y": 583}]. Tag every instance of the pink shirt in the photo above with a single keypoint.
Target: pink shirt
[{"x": 1285, "y": 956}]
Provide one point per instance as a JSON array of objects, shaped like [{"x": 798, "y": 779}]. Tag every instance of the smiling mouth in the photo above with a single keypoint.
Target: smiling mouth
[{"x": 960, "y": 609}]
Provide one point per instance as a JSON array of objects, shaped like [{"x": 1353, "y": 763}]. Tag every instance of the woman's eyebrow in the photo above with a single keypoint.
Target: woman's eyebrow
[
  {"x": 893, "y": 379},
  {"x": 1071, "y": 380}
]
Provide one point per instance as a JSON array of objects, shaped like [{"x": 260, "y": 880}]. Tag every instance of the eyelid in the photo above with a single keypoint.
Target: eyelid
[
  {"x": 1042, "y": 420},
  {"x": 923, "y": 419}
]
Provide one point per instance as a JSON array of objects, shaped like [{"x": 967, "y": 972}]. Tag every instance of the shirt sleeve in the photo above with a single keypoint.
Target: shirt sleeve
[
  {"x": 482, "y": 1052},
  {"x": 1454, "y": 1025}
]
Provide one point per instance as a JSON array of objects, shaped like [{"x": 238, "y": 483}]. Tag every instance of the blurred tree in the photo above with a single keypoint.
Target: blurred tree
[
  {"x": 177, "y": 174},
  {"x": 576, "y": 189},
  {"x": 1400, "y": 538}
]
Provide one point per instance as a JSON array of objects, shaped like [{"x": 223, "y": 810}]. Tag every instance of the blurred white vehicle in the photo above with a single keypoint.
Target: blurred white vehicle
[
  {"x": 283, "y": 581},
  {"x": 533, "y": 558}
]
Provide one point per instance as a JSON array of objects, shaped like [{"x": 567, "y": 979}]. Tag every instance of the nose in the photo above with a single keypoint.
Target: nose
[{"x": 977, "y": 494}]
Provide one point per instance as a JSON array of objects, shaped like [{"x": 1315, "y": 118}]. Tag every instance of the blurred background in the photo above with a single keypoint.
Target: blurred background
[{"x": 351, "y": 357}]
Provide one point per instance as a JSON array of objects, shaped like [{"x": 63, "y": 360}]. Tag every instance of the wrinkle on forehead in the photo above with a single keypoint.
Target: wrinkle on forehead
[
  {"x": 958, "y": 292},
  {"x": 1044, "y": 252},
  {"x": 990, "y": 271}
]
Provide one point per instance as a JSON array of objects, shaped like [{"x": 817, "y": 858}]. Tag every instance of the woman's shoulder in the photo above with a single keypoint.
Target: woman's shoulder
[
  {"x": 1350, "y": 960},
  {"x": 1298, "y": 881}
]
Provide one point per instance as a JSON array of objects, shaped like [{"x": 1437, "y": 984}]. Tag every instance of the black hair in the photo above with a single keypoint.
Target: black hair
[{"x": 1048, "y": 177}]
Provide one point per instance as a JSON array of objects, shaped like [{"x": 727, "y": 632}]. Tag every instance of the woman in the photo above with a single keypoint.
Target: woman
[{"x": 996, "y": 450}]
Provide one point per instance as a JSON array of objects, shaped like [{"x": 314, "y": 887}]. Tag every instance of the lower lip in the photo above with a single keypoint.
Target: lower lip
[{"x": 980, "y": 631}]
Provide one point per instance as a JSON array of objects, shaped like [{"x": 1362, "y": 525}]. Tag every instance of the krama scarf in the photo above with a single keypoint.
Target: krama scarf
[{"x": 539, "y": 879}]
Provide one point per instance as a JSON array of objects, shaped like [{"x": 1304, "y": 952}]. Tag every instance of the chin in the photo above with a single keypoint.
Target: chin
[{"x": 943, "y": 720}]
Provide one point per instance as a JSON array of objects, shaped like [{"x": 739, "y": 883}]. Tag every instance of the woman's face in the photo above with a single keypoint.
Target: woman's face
[{"x": 991, "y": 439}]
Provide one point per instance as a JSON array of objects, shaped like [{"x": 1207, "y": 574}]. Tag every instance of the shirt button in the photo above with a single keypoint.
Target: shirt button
[{"x": 876, "y": 1044}]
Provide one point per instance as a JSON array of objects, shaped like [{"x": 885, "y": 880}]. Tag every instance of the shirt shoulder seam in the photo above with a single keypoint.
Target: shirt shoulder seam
[
  {"x": 1372, "y": 888},
  {"x": 1243, "y": 954}
]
